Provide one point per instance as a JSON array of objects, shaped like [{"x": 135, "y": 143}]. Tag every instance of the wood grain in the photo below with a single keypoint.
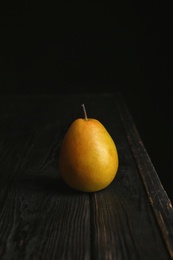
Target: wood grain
[
  {"x": 158, "y": 198},
  {"x": 42, "y": 218}
]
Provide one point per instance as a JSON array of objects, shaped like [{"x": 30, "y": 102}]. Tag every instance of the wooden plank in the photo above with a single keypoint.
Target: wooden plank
[
  {"x": 159, "y": 200},
  {"x": 41, "y": 218}
]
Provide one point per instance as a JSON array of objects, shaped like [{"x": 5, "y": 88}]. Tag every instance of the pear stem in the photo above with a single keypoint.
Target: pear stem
[{"x": 85, "y": 113}]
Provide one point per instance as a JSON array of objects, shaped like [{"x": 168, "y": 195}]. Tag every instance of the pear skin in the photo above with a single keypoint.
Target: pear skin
[{"x": 88, "y": 159}]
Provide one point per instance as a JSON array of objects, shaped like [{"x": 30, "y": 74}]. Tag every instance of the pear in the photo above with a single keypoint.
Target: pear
[{"x": 88, "y": 158}]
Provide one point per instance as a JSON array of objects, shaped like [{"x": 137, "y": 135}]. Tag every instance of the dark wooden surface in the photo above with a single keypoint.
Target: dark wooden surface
[{"x": 42, "y": 218}]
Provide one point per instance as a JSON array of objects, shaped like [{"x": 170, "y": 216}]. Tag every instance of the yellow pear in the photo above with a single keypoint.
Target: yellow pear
[{"x": 88, "y": 158}]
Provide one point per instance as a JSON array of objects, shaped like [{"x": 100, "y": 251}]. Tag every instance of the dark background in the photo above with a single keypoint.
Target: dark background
[{"x": 53, "y": 47}]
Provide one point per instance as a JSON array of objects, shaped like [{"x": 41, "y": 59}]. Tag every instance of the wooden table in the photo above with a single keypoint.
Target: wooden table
[{"x": 42, "y": 218}]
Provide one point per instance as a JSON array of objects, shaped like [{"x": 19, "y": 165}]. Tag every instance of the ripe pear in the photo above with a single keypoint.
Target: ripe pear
[{"x": 88, "y": 158}]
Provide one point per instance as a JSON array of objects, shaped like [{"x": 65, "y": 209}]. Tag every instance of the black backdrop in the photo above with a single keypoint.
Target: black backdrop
[{"x": 53, "y": 46}]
